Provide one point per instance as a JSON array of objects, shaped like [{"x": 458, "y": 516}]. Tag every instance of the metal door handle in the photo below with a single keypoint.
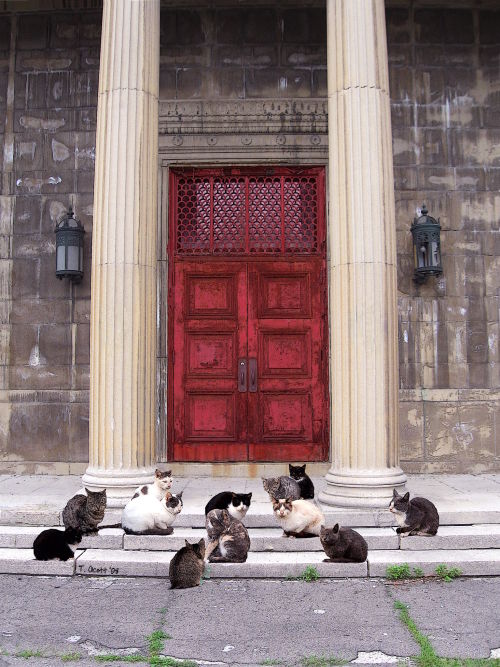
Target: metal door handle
[
  {"x": 242, "y": 375},
  {"x": 252, "y": 387}
]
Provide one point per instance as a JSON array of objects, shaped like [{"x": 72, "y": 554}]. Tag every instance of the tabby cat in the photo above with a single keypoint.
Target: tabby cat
[
  {"x": 298, "y": 473},
  {"x": 343, "y": 545},
  {"x": 84, "y": 513},
  {"x": 228, "y": 538},
  {"x": 56, "y": 544},
  {"x": 281, "y": 487},
  {"x": 298, "y": 518},
  {"x": 187, "y": 565},
  {"x": 145, "y": 515},
  {"x": 415, "y": 517},
  {"x": 236, "y": 504},
  {"x": 161, "y": 484}
]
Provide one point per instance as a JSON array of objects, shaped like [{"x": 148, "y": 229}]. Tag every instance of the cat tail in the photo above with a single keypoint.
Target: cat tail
[{"x": 110, "y": 525}]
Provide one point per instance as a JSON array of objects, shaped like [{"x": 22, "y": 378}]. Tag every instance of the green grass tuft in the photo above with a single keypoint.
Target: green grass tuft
[
  {"x": 270, "y": 662},
  {"x": 112, "y": 657},
  {"x": 321, "y": 661},
  {"x": 155, "y": 641},
  {"x": 71, "y": 657},
  {"x": 447, "y": 573},
  {"x": 309, "y": 574},
  {"x": 403, "y": 571},
  {"x": 28, "y": 653}
]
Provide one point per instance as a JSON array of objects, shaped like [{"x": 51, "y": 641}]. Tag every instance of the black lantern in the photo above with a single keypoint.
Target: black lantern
[
  {"x": 427, "y": 246},
  {"x": 69, "y": 247}
]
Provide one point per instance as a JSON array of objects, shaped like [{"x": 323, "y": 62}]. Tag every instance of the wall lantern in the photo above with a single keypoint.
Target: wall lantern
[
  {"x": 427, "y": 246},
  {"x": 69, "y": 247}
]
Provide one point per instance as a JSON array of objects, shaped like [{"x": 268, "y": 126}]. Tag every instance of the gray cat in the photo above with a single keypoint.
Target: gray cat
[
  {"x": 186, "y": 567},
  {"x": 282, "y": 487},
  {"x": 84, "y": 513},
  {"x": 343, "y": 545},
  {"x": 415, "y": 517},
  {"x": 229, "y": 541}
]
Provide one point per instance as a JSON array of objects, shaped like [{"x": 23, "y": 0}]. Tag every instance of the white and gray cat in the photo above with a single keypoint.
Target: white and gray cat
[
  {"x": 144, "y": 514},
  {"x": 298, "y": 518},
  {"x": 417, "y": 516}
]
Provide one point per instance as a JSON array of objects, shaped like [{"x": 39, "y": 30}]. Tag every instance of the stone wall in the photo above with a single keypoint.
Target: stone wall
[{"x": 250, "y": 84}]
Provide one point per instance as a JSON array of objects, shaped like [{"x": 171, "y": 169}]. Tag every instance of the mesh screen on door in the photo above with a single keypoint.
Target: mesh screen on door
[{"x": 219, "y": 214}]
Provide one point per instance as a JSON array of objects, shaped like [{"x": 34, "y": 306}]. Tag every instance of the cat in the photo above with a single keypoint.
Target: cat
[
  {"x": 228, "y": 538},
  {"x": 343, "y": 545},
  {"x": 236, "y": 504},
  {"x": 56, "y": 544},
  {"x": 415, "y": 517},
  {"x": 84, "y": 513},
  {"x": 187, "y": 565},
  {"x": 161, "y": 484},
  {"x": 298, "y": 473},
  {"x": 282, "y": 487},
  {"x": 145, "y": 515},
  {"x": 298, "y": 518}
]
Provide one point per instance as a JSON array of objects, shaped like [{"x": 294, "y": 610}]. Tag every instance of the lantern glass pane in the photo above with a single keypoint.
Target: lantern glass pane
[
  {"x": 61, "y": 258},
  {"x": 436, "y": 260},
  {"x": 73, "y": 255}
]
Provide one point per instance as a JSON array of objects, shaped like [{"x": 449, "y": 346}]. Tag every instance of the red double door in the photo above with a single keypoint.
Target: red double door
[{"x": 248, "y": 376}]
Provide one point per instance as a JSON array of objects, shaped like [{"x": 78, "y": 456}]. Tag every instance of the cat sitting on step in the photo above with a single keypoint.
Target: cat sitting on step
[
  {"x": 187, "y": 565},
  {"x": 298, "y": 518},
  {"x": 161, "y": 484},
  {"x": 236, "y": 504},
  {"x": 54, "y": 544},
  {"x": 282, "y": 487},
  {"x": 228, "y": 538},
  {"x": 146, "y": 515},
  {"x": 415, "y": 517},
  {"x": 84, "y": 513},
  {"x": 343, "y": 545},
  {"x": 298, "y": 473}
]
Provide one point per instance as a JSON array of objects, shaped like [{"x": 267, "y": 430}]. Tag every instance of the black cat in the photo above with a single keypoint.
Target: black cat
[
  {"x": 343, "y": 545},
  {"x": 298, "y": 473},
  {"x": 53, "y": 543},
  {"x": 236, "y": 504},
  {"x": 415, "y": 517}
]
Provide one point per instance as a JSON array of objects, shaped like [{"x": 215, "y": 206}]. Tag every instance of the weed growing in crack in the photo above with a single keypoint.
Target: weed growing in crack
[{"x": 447, "y": 573}]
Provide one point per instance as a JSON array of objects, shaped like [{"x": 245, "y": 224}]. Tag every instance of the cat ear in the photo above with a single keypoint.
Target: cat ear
[
  {"x": 395, "y": 494},
  {"x": 168, "y": 495},
  {"x": 179, "y": 495},
  {"x": 406, "y": 497},
  {"x": 322, "y": 530},
  {"x": 336, "y": 528},
  {"x": 249, "y": 495},
  {"x": 290, "y": 466},
  {"x": 157, "y": 472},
  {"x": 188, "y": 544},
  {"x": 201, "y": 543},
  {"x": 304, "y": 467}
]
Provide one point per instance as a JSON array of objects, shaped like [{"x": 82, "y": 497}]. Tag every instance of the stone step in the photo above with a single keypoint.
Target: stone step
[
  {"x": 485, "y": 536},
  {"x": 127, "y": 563}
]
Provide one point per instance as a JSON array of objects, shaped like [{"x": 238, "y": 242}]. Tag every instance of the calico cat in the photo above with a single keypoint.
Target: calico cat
[
  {"x": 84, "y": 513},
  {"x": 236, "y": 504},
  {"x": 161, "y": 484},
  {"x": 343, "y": 545},
  {"x": 282, "y": 487},
  {"x": 298, "y": 473},
  {"x": 228, "y": 538},
  {"x": 298, "y": 518},
  {"x": 187, "y": 565},
  {"x": 415, "y": 517},
  {"x": 56, "y": 544},
  {"x": 145, "y": 515}
]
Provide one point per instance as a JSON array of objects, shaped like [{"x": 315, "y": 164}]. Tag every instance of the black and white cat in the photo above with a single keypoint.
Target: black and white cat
[
  {"x": 161, "y": 484},
  {"x": 298, "y": 473},
  {"x": 415, "y": 517},
  {"x": 145, "y": 515},
  {"x": 54, "y": 544},
  {"x": 236, "y": 504}
]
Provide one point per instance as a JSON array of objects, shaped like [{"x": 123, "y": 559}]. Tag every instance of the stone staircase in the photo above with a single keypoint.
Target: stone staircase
[{"x": 472, "y": 547}]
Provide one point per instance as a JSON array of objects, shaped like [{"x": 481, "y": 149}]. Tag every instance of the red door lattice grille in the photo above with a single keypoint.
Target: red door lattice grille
[{"x": 248, "y": 211}]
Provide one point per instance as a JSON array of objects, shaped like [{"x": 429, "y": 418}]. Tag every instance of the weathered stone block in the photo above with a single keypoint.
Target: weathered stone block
[
  {"x": 400, "y": 55},
  {"x": 260, "y": 26},
  {"x": 411, "y": 431},
  {"x": 319, "y": 83},
  {"x": 84, "y": 181},
  {"x": 405, "y": 146},
  {"x": 60, "y": 152},
  {"x": 40, "y": 311},
  {"x": 304, "y": 26},
  {"x": 436, "y": 178},
  {"x": 90, "y": 28},
  {"x": 32, "y": 31},
  {"x": 429, "y": 25},
  {"x": 228, "y": 83},
  {"x": 55, "y": 343},
  {"x": 189, "y": 28},
  {"x": 401, "y": 83},
  {"x": 40, "y": 429},
  {"x": 470, "y": 178},
  {"x": 489, "y": 27},
  {"x": 25, "y": 278},
  {"x": 27, "y": 215},
  {"x": 398, "y": 25},
  {"x": 439, "y": 437},
  {"x": 64, "y": 29},
  {"x": 49, "y": 286},
  {"x": 24, "y": 347},
  {"x": 278, "y": 83},
  {"x": 79, "y": 432},
  {"x": 4, "y": 31}
]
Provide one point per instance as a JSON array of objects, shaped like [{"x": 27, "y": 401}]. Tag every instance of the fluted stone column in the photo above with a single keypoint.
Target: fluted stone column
[
  {"x": 362, "y": 256},
  {"x": 123, "y": 325}
]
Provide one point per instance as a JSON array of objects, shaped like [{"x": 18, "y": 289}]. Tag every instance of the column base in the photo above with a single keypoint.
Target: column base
[
  {"x": 361, "y": 488},
  {"x": 119, "y": 484}
]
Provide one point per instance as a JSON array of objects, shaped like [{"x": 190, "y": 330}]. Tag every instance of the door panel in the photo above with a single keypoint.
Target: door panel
[
  {"x": 209, "y": 335},
  {"x": 287, "y": 414}
]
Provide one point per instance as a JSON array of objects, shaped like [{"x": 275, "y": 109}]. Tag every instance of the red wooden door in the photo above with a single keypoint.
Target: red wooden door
[
  {"x": 287, "y": 411},
  {"x": 247, "y": 305}
]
